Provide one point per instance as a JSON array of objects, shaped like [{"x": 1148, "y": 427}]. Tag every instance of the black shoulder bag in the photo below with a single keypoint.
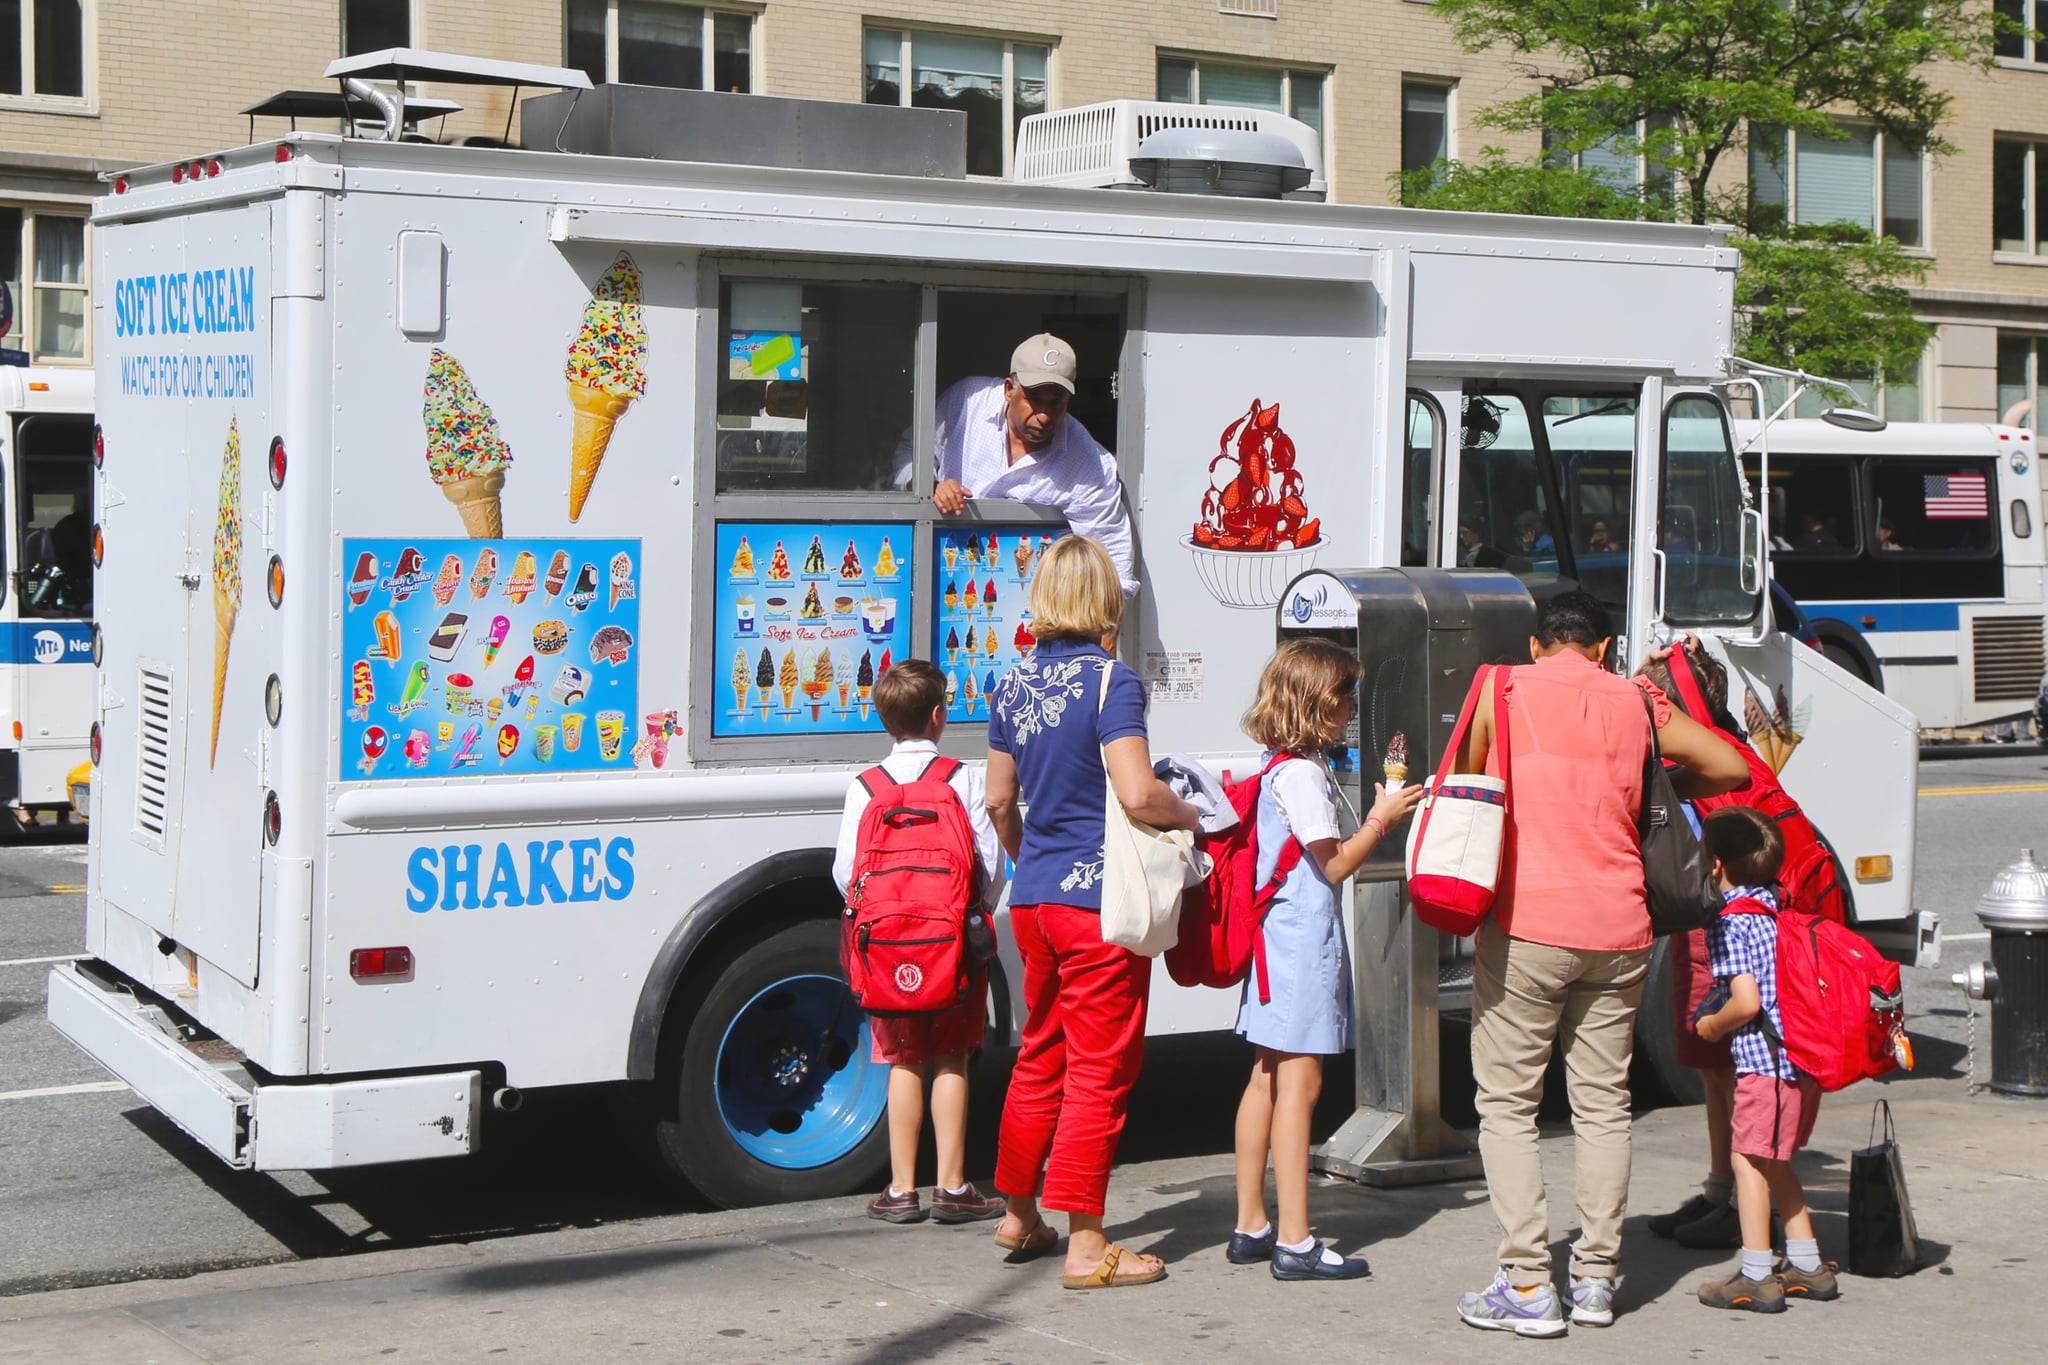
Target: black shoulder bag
[{"x": 1677, "y": 877}]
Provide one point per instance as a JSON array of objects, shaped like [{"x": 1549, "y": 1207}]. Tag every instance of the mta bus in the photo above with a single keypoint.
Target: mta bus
[
  {"x": 46, "y": 676},
  {"x": 1916, "y": 552}
]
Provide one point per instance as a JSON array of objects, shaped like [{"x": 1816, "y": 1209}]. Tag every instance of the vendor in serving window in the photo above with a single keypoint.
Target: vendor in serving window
[{"x": 1012, "y": 438}]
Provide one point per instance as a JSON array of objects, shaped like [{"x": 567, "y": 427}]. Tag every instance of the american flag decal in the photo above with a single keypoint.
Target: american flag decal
[{"x": 1957, "y": 497}]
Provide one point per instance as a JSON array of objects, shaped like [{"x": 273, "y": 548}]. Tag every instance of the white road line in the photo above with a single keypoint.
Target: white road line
[
  {"x": 89, "y": 1088},
  {"x": 1966, "y": 938},
  {"x": 40, "y": 961}
]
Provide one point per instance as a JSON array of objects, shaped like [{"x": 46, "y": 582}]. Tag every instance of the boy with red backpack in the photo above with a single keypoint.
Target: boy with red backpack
[
  {"x": 917, "y": 863},
  {"x": 1775, "y": 1101}
]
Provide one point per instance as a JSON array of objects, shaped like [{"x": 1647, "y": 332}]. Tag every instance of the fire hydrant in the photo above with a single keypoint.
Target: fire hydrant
[{"x": 2015, "y": 981}]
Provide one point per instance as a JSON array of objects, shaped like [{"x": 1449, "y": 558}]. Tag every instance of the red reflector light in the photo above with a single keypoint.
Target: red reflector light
[
  {"x": 284, "y": 153},
  {"x": 277, "y": 462},
  {"x": 213, "y": 167},
  {"x": 369, "y": 964},
  {"x": 94, "y": 744},
  {"x": 196, "y": 169},
  {"x": 178, "y": 174},
  {"x": 120, "y": 184},
  {"x": 99, "y": 447},
  {"x": 273, "y": 819}
]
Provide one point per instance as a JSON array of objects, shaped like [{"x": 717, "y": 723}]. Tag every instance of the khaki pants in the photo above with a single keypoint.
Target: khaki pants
[{"x": 1524, "y": 996}]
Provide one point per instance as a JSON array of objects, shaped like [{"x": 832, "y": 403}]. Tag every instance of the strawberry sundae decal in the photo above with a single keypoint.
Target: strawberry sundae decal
[{"x": 1255, "y": 533}]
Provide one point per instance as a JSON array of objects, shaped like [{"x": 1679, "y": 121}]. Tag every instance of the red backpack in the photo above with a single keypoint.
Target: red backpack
[
  {"x": 914, "y": 901},
  {"x": 1222, "y": 921},
  {"x": 1812, "y": 878},
  {"x": 1839, "y": 997}
]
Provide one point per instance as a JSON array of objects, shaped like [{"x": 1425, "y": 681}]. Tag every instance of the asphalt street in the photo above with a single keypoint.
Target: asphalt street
[{"x": 100, "y": 1189}]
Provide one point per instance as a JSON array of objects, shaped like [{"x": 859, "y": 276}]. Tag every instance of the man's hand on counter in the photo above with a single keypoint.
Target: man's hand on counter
[{"x": 950, "y": 497}]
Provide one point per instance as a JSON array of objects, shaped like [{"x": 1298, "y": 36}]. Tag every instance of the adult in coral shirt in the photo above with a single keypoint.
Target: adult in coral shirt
[{"x": 1564, "y": 954}]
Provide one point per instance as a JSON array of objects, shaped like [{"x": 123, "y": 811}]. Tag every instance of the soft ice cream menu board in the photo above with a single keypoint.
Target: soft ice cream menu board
[
  {"x": 808, "y": 613},
  {"x": 981, "y": 621},
  {"x": 491, "y": 656}
]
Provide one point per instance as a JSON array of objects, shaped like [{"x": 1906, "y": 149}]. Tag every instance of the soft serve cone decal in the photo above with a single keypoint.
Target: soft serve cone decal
[
  {"x": 607, "y": 372},
  {"x": 465, "y": 454},
  {"x": 227, "y": 573}
]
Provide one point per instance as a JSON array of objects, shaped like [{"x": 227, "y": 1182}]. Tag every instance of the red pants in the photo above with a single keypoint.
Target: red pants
[{"x": 1084, "y": 1035}]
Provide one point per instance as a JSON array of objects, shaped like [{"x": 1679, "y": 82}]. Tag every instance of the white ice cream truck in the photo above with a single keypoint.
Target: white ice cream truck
[
  {"x": 499, "y": 548},
  {"x": 46, "y": 676}
]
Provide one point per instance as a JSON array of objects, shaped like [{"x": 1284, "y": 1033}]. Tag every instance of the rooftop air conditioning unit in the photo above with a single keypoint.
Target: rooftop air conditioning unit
[{"x": 1092, "y": 146}]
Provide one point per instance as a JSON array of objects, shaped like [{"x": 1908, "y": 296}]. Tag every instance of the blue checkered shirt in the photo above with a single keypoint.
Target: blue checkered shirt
[{"x": 1747, "y": 945}]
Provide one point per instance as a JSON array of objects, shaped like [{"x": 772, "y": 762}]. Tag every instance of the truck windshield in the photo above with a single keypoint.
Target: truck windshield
[
  {"x": 1700, "y": 527},
  {"x": 53, "y": 516}
]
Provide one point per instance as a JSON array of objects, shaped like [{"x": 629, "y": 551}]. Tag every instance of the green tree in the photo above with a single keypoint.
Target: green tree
[{"x": 1681, "y": 83}]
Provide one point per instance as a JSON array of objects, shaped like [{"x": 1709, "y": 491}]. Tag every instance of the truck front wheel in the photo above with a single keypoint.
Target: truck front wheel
[{"x": 765, "y": 1090}]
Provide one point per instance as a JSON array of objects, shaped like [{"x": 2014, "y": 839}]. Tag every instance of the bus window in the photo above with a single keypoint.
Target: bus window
[
  {"x": 1700, "y": 527},
  {"x": 1507, "y": 518},
  {"x": 1592, "y": 444},
  {"x": 1812, "y": 505},
  {"x": 53, "y": 483},
  {"x": 1933, "y": 507}
]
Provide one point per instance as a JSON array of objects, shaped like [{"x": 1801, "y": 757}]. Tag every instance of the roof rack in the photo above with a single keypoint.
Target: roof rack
[
  {"x": 401, "y": 64},
  {"x": 336, "y": 104}
]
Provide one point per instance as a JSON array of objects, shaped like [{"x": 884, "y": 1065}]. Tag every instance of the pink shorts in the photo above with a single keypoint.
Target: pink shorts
[
  {"x": 1774, "y": 1118},
  {"x": 914, "y": 1039}
]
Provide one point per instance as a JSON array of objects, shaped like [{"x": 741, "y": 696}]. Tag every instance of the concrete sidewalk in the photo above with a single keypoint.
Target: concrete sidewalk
[{"x": 819, "y": 1282}]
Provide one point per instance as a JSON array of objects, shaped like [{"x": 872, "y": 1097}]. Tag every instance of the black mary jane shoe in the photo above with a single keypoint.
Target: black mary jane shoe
[
  {"x": 1245, "y": 1249},
  {"x": 1310, "y": 1265}
]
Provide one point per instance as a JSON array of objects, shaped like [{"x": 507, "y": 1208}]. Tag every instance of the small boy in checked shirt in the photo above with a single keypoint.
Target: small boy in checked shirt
[{"x": 1775, "y": 1103}]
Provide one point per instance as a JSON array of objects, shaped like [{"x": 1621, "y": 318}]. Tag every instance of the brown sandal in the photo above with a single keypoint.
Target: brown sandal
[
  {"x": 1104, "y": 1275},
  {"x": 1031, "y": 1245}
]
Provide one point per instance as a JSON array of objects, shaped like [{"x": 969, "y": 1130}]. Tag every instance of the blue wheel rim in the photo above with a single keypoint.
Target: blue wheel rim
[{"x": 794, "y": 1083}]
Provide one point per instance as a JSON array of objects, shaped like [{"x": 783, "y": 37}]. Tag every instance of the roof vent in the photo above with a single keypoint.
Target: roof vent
[
  {"x": 1096, "y": 146},
  {"x": 1227, "y": 161}
]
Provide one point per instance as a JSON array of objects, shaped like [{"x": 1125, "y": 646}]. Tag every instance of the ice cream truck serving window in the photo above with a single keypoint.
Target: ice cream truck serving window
[{"x": 829, "y": 392}]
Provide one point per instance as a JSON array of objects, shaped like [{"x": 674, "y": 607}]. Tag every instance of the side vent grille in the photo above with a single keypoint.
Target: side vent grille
[
  {"x": 153, "y": 763},
  {"x": 2008, "y": 657}
]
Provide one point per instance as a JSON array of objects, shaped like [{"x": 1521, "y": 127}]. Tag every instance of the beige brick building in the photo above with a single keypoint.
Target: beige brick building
[{"x": 89, "y": 85}]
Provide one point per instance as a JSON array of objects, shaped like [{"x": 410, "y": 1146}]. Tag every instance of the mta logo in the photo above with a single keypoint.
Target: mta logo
[{"x": 49, "y": 647}]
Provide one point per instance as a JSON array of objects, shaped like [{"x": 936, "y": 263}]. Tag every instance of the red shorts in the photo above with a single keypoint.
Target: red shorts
[
  {"x": 1774, "y": 1118},
  {"x": 914, "y": 1039},
  {"x": 1690, "y": 982}
]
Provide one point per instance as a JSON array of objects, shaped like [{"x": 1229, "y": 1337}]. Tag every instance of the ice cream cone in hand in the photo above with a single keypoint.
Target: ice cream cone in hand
[
  {"x": 227, "y": 573},
  {"x": 606, "y": 372},
  {"x": 466, "y": 457}
]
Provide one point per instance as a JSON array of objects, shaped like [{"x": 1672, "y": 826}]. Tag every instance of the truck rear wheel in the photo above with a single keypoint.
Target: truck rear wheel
[{"x": 766, "y": 1092}]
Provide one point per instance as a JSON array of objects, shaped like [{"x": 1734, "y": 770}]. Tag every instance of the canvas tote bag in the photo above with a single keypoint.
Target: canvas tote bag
[
  {"x": 1454, "y": 859},
  {"x": 1144, "y": 871}
]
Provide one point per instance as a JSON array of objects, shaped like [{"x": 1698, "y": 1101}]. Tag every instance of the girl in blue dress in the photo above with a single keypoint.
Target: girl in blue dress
[{"x": 1307, "y": 696}]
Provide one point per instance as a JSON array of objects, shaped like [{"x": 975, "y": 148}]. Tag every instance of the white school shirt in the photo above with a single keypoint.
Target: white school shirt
[
  {"x": 905, "y": 761},
  {"x": 1073, "y": 473},
  {"x": 1301, "y": 794}
]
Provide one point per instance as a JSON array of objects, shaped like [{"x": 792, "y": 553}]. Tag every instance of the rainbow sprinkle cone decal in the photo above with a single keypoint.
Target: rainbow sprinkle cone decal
[
  {"x": 465, "y": 454},
  {"x": 227, "y": 573},
  {"x": 607, "y": 372}
]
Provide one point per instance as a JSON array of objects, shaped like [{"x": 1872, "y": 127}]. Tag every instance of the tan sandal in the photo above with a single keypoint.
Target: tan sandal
[
  {"x": 1030, "y": 1245},
  {"x": 1104, "y": 1275}
]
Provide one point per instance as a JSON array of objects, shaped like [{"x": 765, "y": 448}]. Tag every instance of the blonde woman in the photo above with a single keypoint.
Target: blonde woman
[{"x": 1052, "y": 724}]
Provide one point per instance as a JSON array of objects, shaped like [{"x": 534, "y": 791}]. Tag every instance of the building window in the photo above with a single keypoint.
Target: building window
[
  {"x": 2028, "y": 14},
  {"x": 42, "y": 48},
  {"x": 1295, "y": 93},
  {"x": 653, "y": 42},
  {"x": 1425, "y": 124},
  {"x": 996, "y": 82},
  {"x": 43, "y": 316},
  {"x": 2018, "y": 224},
  {"x": 2022, "y": 366},
  {"x": 1619, "y": 161},
  {"x": 374, "y": 25},
  {"x": 1257, "y": 9},
  {"x": 1865, "y": 178}
]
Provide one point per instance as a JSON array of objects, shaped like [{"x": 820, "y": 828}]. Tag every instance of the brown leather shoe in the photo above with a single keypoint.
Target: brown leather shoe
[
  {"x": 968, "y": 1206},
  {"x": 892, "y": 1207}
]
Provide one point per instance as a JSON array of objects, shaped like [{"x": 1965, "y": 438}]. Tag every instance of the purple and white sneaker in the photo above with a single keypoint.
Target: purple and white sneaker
[{"x": 1499, "y": 1308}]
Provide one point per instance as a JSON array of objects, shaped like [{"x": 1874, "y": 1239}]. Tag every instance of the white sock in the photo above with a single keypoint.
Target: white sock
[
  {"x": 955, "y": 1193},
  {"x": 1719, "y": 1188},
  {"x": 1804, "y": 1254},
  {"x": 1301, "y": 1248},
  {"x": 1265, "y": 1230},
  {"x": 1756, "y": 1265}
]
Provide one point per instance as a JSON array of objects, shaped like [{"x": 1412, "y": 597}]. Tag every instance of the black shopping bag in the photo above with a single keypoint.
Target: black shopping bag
[{"x": 1882, "y": 1238}]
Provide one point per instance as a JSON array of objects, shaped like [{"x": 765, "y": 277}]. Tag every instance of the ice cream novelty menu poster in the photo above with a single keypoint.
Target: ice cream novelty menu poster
[
  {"x": 980, "y": 622},
  {"x": 808, "y": 614},
  {"x": 490, "y": 656}
]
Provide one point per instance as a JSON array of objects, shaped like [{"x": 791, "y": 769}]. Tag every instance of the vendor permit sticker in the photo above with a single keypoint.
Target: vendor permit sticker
[{"x": 1318, "y": 601}]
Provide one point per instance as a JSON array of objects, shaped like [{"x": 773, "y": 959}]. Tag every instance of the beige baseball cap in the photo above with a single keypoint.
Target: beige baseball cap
[{"x": 1044, "y": 359}]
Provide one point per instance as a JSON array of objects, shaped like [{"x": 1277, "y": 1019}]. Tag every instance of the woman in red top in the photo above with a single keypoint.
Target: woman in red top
[{"x": 1565, "y": 951}]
